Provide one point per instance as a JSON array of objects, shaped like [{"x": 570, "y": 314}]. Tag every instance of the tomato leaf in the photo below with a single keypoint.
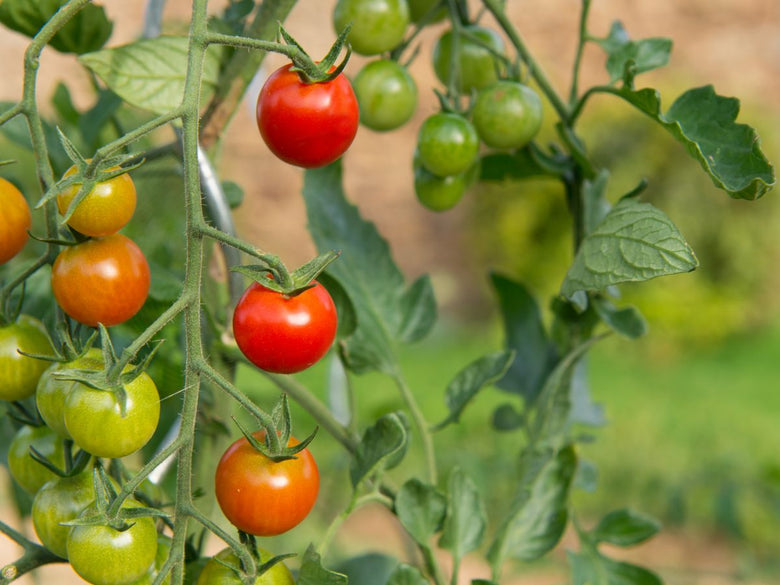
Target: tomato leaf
[
  {"x": 407, "y": 575},
  {"x": 595, "y": 568},
  {"x": 638, "y": 56},
  {"x": 627, "y": 321},
  {"x": 87, "y": 31},
  {"x": 464, "y": 524},
  {"x": 368, "y": 568},
  {"x": 421, "y": 508},
  {"x": 313, "y": 573},
  {"x": 625, "y": 528},
  {"x": 387, "y": 311},
  {"x": 535, "y": 354},
  {"x": 418, "y": 307},
  {"x": 635, "y": 242},
  {"x": 470, "y": 380},
  {"x": 538, "y": 515},
  {"x": 378, "y": 447},
  {"x": 507, "y": 418},
  {"x": 704, "y": 122},
  {"x": 149, "y": 73}
]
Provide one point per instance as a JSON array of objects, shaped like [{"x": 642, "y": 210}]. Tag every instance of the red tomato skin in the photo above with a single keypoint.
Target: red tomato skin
[
  {"x": 308, "y": 125},
  {"x": 262, "y": 497},
  {"x": 15, "y": 220},
  {"x": 282, "y": 334},
  {"x": 103, "y": 280}
]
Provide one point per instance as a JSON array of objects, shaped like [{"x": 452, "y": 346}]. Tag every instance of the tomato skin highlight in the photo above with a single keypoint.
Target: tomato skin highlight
[
  {"x": 19, "y": 374},
  {"x": 105, "y": 280},
  {"x": 15, "y": 220},
  {"x": 105, "y": 210},
  {"x": 284, "y": 334},
  {"x": 263, "y": 497}
]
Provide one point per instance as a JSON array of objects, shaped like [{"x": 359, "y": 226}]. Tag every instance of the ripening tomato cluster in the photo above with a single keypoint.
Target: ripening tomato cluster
[{"x": 104, "y": 279}]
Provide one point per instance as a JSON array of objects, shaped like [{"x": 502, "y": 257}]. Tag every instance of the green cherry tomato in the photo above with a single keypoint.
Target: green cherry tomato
[
  {"x": 225, "y": 567},
  {"x": 97, "y": 425},
  {"x": 477, "y": 66},
  {"x": 29, "y": 473},
  {"x": 106, "y": 208},
  {"x": 386, "y": 94},
  {"x": 60, "y": 500},
  {"x": 447, "y": 144},
  {"x": 507, "y": 114},
  {"x": 377, "y": 25},
  {"x": 19, "y": 374},
  {"x": 103, "y": 555},
  {"x": 442, "y": 193},
  {"x": 418, "y": 9},
  {"x": 51, "y": 392},
  {"x": 15, "y": 220}
]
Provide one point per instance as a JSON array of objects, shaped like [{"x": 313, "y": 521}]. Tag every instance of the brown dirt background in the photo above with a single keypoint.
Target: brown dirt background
[{"x": 734, "y": 44}]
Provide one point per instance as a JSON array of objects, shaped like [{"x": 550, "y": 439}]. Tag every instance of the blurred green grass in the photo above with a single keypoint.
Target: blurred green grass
[{"x": 692, "y": 438}]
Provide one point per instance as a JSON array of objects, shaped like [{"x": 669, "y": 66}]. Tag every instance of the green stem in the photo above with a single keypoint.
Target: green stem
[
  {"x": 316, "y": 409},
  {"x": 33, "y": 557},
  {"x": 582, "y": 39},
  {"x": 353, "y": 505},
  {"x": 497, "y": 10},
  {"x": 422, "y": 427}
]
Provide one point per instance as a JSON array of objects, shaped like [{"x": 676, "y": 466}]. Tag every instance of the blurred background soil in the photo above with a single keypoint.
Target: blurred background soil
[{"x": 734, "y": 44}]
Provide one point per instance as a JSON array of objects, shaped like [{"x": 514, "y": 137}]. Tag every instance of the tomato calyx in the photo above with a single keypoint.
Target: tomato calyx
[
  {"x": 274, "y": 275},
  {"x": 324, "y": 70},
  {"x": 273, "y": 440}
]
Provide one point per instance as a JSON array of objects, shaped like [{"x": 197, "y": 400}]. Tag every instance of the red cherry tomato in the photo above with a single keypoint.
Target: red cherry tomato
[
  {"x": 284, "y": 334},
  {"x": 263, "y": 497},
  {"x": 307, "y": 124},
  {"x": 14, "y": 221},
  {"x": 105, "y": 280}
]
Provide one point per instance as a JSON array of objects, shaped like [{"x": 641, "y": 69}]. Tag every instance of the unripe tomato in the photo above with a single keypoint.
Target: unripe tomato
[
  {"x": 105, "y": 280},
  {"x": 442, "y": 193},
  {"x": 386, "y": 93},
  {"x": 447, "y": 144},
  {"x": 219, "y": 570},
  {"x": 477, "y": 66},
  {"x": 103, "y": 555},
  {"x": 15, "y": 220},
  {"x": 19, "y": 374},
  {"x": 263, "y": 497},
  {"x": 29, "y": 473},
  {"x": 284, "y": 334},
  {"x": 95, "y": 422},
  {"x": 507, "y": 114},
  {"x": 307, "y": 124},
  {"x": 106, "y": 208},
  {"x": 377, "y": 25},
  {"x": 60, "y": 500},
  {"x": 419, "y": 8},
  {"x": 51, "y": 392}
]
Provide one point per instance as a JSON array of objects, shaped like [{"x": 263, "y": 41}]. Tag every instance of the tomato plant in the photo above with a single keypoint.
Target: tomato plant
[
  {"x": 224, "y": 568},
  {"x": 160, "y": 106},
  {"x": 447, "y": 144},
  {"x": 104, "y": 555},
  {"x": 261, "y": 496},
  {"x": 281, "y": 333},
  {"x": 507, "y": 115},
  {"x": 98, "y": 423},
  {"x": 386, "y": 94},
  {"x": 29, "y": 473},
  {"x": 477, "y": 65},
  {"x": 106, "y": 208},
  {"x": 15, "y": 220},
  {"x": 60, "y": 500},
  {"x": 19, "y": 373},
  {"x": 105, "y": 280},
  {"x": 377, "y": 25},
  {"x": 307, "y": 124}
]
